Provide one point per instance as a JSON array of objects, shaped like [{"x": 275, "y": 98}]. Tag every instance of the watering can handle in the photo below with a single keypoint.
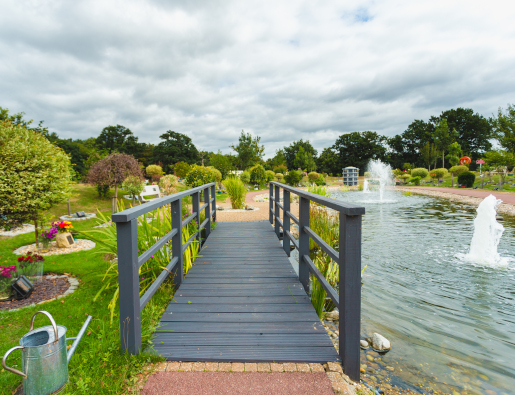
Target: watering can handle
[
  {"x": 51, "y": 320},
  {"x": 12, "y": 370}
]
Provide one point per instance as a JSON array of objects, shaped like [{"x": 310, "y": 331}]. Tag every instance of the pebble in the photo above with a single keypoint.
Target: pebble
[
  {"x": 380, "y": 342},
  {"x": 391, "y": 368},
  {"x": 363, "y": 344},
  {"x": 370, "y": 358}
]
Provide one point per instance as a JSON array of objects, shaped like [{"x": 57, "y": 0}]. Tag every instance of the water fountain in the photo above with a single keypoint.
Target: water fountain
[
  {"x": 365, "y": 186},
  {"x": 379, "y": 173},
  {"x": 487, "y": 235}
]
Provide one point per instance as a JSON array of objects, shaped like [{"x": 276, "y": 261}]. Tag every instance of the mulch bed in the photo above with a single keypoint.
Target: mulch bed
[{"x": 47, "y": 289}]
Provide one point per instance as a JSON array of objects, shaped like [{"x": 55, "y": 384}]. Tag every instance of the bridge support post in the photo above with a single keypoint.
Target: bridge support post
[
  {"x": 207, "y": 212},
  {"x": 303, "y": 242},
  {"x": 276, "y": 210},
  {"x": 286, "y": 221},
  {"x": 271, "y": 202},
  {"x": 213, "y": 206},
  {"x": 350, "y": 293},
  {"x": 128, "y": 280},
  {"x": 178, "y": 271},
  {"x": 195, "y": 197}
]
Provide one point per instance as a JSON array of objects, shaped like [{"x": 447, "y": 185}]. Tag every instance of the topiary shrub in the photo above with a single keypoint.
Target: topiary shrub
[
  {"x": 457, "y": 170},
  {"x": 245, "y": 177},
  {"x": 199, "y": 175},
  {"x": 438, "y": 173},
  {"x": 405, "y": 177},
  {"x": 467, "y": 178},
  {"x": 415, "y": 180},
  {"x": 257, "y": 175},
  {"x": 236, "y": 191},
  {"x": 293, "y": 177},
  {"x": 313, "y": 176},
  {"x": 154, "y": 170},
  {"x": 279, "y": 177},
  {"x": 419, "y": 172}
]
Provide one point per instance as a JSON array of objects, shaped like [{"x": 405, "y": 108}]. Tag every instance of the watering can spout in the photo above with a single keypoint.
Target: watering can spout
[{"x": 78, "y": 338}]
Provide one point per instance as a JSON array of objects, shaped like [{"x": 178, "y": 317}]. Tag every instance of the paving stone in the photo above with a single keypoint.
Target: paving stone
[
  {"x": 186, "y": 367},
  {"x": 335, "y": 377},
  {"x": 173, "y": 366},
  {"x": 250, "y": 367},
  {"x": 316, "y": 368},
  {"x": 303, "y": 367},
  {"x": 211, "y": 366},
  {"x": 224, "y": 367},
  {"x": 238, "y": 367},
  {"x": 334, "y": 367},
  {"x": 160, "y": 367},
  {"x": 263, "y": 367},
  {"x": 198, "y": 367},
  {"x": 277, "y": 367},
  {"x": 290, "y": 367},
  {"x": 341, "y": 388}
]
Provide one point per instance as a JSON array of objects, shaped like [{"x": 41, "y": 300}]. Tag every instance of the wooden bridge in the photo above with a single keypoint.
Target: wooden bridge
[{"x": 242, "y": 301}]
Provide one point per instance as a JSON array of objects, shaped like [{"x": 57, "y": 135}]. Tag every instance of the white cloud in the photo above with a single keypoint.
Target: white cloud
[{"x": 280, "y": 69}]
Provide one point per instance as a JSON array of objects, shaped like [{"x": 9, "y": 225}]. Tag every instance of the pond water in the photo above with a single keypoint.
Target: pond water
[{"x": 451, "y": 323}]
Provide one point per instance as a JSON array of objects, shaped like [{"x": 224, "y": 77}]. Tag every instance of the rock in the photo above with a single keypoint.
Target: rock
[
  {"x": 363, "y": 344},
  {"x": 64, "y": 240},
  {"x": 370, "y": 358},
  {"x": 362, "y": 370},
  {"x": 333, "y": 315},
  {"x": 390, "y": 368},
  {"x": 380, "y": 343}
]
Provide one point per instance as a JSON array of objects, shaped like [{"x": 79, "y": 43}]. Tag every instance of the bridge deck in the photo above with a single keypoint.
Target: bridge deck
[{"x": 242, "y": 302}]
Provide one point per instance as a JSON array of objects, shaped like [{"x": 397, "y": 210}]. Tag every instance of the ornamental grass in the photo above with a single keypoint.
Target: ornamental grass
[{"x": 237, "y": 192}]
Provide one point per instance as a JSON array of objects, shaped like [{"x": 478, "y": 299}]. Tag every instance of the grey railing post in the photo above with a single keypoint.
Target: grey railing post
[
  {"x": 128, "y": 280},
  {"x": 195, "y": 197},
  {"x": 276, "y": 210},
  {"x": 178, "y": 271},
  {"x": 286, "y": 221},
  {"x": 207, "y": 212},
  {"x": 303, "y": 242},
  {"x": 271, "y": 201},
  {"x": 350, "y": 293},
  {"x": 213, "y": 206}
]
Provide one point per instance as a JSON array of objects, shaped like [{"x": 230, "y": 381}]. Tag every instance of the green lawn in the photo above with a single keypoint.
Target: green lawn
[{"x": 97, "y": 366}]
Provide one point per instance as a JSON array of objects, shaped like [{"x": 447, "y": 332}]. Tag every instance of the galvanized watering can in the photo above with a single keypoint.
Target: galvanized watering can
[{"x": 44, "y": 361}]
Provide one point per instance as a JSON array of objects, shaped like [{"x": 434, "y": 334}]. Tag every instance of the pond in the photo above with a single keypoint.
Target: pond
[{"x": 451, "y": 323}]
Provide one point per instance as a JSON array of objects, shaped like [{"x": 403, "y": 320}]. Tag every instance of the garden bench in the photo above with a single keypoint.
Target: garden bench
[{"x": 149, "y": 190}]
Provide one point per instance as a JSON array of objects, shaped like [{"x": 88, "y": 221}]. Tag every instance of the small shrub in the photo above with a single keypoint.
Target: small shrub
[
  {"x": 133, "y": 186},
  {"x": 102, "y": 190},
  {"x": 270, "y": 175},
  {"x": 438, "y": 173},
  {"x": 199, "y": 175},
  {"x": 467, "y": 178},
  {"x": 415, "y": 180},
  {"x": 313, "y": 176},
  {"x": 419, "y": 172},
  {"x": 152, "y": 170},
  {"x": 320, "y": 180},
  {"x": 245, "y": 177},
  {"x": 169, "y": 184},
  {"x": 280, "y": 169},
  {"x": 257, "y": 175},
  {"x": 236, "y": 191},
  {"x": 405, "y": 177},
  {"x": 293, "y": 177},
  {"x": 457, "y": 170},
  {"x": 279, "y": 177},
  {"x": 181, "y": 169},
  {"x": 217, "y": 174}
]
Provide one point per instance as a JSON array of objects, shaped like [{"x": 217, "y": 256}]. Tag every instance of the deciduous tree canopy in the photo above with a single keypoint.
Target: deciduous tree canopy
[{"x": 175, "y": 147}]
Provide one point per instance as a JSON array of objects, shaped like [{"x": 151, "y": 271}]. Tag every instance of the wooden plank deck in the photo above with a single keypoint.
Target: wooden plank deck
[{"x": 242, "y": 302}]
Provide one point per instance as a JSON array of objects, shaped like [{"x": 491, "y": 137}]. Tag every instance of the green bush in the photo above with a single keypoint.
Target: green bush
[
  {"x": 419, "y": 172},
  {"x": 467, "y": 178},
  {"x": 199, "y": 175},
  {"x": 133, "y": 186},
  {"x": 320, "y": 180},
  {"x": 280, "y": 169},
  {"x": 457, "y": 170},
  {"x": 216, "y": 173},
  {"x": 313, "y": 176},
  {"x": 257, "y": 175},
  {"x": 270, "y": 175},
  {"x": 405, "y": 177},
  {"x": 279, "y": 177},
  {"x": 415, "y": 180},
  {"x": 293, "y": 177},
  {"x": 236, "y": 191},
  {"x": 154, "y": 170},
  {"x": 169, "y": 184},
  {"x": 438, "y": 173},
  {"x": 181, "y": 169},
  {"x": 245, "y": 177}
]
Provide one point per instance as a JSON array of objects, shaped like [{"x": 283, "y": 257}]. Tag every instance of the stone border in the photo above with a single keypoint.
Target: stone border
[
  {"x": 340, "y": 382},
  {"x": 61, "y": 251},
  {"x": 74, "y": 284},
  {"x": 71, "y": 218},
  {"x": 25, "y": 228}
]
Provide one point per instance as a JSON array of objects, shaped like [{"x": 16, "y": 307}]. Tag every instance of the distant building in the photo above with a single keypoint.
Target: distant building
[
  {"x": 236, "y": 172},
  {"x": 350, "y": 176}
]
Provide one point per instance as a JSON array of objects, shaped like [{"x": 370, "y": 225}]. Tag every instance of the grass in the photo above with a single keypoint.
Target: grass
[
  {"x": 493, "y": 182},
  {"x": 97, "y": 366}
]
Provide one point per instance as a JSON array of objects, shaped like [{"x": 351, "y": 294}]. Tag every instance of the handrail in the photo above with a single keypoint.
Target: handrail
[
  {"x": 348, "y": 299},
  {"x": 129, "y": 261}
]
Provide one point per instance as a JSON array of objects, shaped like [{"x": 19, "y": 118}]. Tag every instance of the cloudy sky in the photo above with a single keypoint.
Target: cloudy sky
[{"x": 283, "y": 70}]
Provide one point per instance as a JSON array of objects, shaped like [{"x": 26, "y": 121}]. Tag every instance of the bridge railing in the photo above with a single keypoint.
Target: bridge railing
[
  {"x": 348, "y": 299},
  {"x": 129, "y": 261}
]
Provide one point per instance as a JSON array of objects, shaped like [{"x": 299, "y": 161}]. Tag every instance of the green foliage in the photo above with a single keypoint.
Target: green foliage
[
  {"x": 249, "y": 150},
  {"x": 291, "y": 153},
  {"x": 415, "y": 180},
  {"x": 199, "y": 175},
  {"x": 504, "y": 127},
  {"x": 419, "y": 172},
  {"x": 175, "y": 147},
  {"x": 280, "y": 169},
  {"x": 181, "y": 169},
  {"x": 133, "y": 186},
  {"x": 245, "y": 177},
  {"x": 405, "y": 177},
  {"x": 408, "y": 166},
  {"x": 320, "y": 180},
  {"x": 169, "y": 184},
  {"x": 443, "y": 137},
  {"x": 102, "y": 190},
  {"x": 457, "y": 170},
  {"x": 438, "y": 173},
  {"x": 313, "y": 176},
  {"x": 216, "y": 173},
  {"x": 327, "y": 162},
  {"x": 153, "y": 170},
  {"x": 467, "y": 178},
  {"x": 429, "y": 153},
  {"x": 292, "y": 178},
  {"x": 270, "y": 175},
  {"x": 34, "y": 174},
  {"x": 279, "y": 177},
  {"x": 222, "y": 163},
  {"x": 357, "y": 148},
  {"x": 318, "y": 190},
  {"x": 304, "y": 160},
  {"x": 257, "y": 175},
  {"x": 237, "y": 192}
]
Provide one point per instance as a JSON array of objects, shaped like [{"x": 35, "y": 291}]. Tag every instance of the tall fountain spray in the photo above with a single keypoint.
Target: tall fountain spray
[
  {"x": 365, "y": 186},
  {"x": 382, "y": 173},
  {"x": 487, "y": 235}
]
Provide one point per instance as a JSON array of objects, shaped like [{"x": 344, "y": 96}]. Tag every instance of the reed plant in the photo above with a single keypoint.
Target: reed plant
[
  {"x": 236, "y": 191},
  {"x": 330, "y": 271}
]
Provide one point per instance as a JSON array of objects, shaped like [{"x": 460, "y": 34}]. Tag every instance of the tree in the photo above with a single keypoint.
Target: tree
[
  {"x": 153, "y": 170},
  {"x": 504, "y": 127},
  {"x": 222, "y": 163},
  {"x": 113, "y": 170},
  {"x": 176, "y": 147},
  {"x": 18, "y": 120},
  {"x": 454, "y": 158},
  {"x": 502, "y": 160},
  {"x": 293, "y": 177},
  {"x": 205, "y": 158},
  {"x": 113, "y": 138},
  {"x": 327, "y": 162},
  {"x": 406, "y": 147},
  {"x": 290, "y": 152},
  {"x": 358, "y": 148},
  {"x": 181, "y": 169},
  {"x": 280, "y": 169},
  {"x": 34, "y": 174},
  {"x": 79, "y": 154},
  {"x": 257, "y": 175},
  {"x": 250, "y": 152},
  {"x": 429, "y": 153},
  {"x": 443, "y": 138}
]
